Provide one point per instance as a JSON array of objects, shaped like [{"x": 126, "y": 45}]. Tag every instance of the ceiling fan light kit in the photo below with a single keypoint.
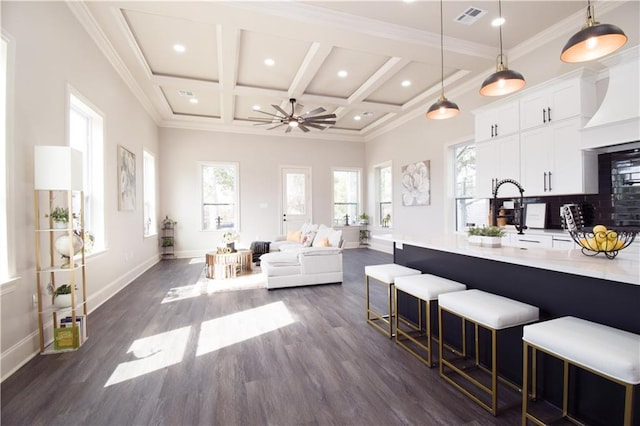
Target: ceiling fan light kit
[
  {"x": 593, "y": 41},
  {"x": 443, "y": 108},
  {"x": 292, "y": 120}
]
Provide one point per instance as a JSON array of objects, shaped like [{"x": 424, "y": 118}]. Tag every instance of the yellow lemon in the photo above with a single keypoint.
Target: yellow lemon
[
  {"x": 618, "y": 245},
  {"x": 612, "y": 235},
  {"x": 601, "y": 237},
  {"x": 599, "y": 228},
  {"x": 592, "y": 244},
  {"x": 606, "y": 245}
]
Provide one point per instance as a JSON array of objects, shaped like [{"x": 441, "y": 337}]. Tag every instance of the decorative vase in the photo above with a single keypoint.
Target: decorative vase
[
  {"x": 491, "y": 241},
  {"x": 63, "y": 246},
  {"x": 62, "y": 301},
  {"x": 60, "y": 225}
]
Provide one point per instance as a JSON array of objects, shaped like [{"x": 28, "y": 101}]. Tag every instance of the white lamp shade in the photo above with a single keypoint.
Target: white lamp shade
[{"x": 57, "y": 168}]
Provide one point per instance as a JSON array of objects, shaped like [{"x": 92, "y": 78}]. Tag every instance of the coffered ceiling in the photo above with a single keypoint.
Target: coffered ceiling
[{"x": 390, "y": 51}]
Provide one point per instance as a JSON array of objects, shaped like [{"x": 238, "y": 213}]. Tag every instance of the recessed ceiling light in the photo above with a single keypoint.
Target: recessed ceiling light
[
  {"x": 193, "y": 100},
  {"x": 357, "y": 117},
  {"x": 179, "y": 48},
  {"x": 406, "y": 83},
  {"x": 342, "y": 73},
  {"x": 256, "y": 107},
  {"x": 497, "y": 22},
  {"x": 269, "y": 62}
]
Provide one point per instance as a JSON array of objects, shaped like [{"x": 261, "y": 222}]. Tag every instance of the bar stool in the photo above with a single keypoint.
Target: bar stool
[
  {"x": 492, "y": 313},
  {"x": 602, "y": 350},
  {"x": 386, "y": 274},
  {"x": 425, "y": 288}
]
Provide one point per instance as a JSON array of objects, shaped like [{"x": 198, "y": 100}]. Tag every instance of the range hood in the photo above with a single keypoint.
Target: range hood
[{"x": 617, "y": 120}]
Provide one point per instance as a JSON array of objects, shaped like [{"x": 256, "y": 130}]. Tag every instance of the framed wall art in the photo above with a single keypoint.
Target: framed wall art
[
  {"x": 126, "y": 179},
  {"x": 416, "y": 184}
]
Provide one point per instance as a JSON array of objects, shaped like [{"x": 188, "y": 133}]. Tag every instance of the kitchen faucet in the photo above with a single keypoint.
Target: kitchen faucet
[{"x": 494, "y": 204}]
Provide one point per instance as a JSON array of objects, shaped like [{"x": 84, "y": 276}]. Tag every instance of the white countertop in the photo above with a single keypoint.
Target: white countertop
[{"x": 624, "y": 268}]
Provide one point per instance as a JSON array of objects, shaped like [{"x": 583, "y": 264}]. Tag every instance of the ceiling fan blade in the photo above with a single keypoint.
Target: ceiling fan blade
[
  {"x": 298, "y": 109},
  {"x": 303, "y": 128},
  {"x": 263, "y": 123},
  {"x": 280, "y": 110},
  {"x": 265, "y": 119},
  {"x": 315, "y": 126},
  {"x": 268, "y": 113},
  {"x": 313, "y": 112},
  {"x": 288, "y": 129},
  {"x": 276, "y": 126},
  {"x": 321, "y": 117}
]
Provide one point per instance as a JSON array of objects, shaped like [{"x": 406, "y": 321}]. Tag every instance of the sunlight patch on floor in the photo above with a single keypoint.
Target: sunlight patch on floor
[
  {"x": 196, "y": 260},
  {"x": 234, "y": 328},
  {"x": 151, "y": 354}
]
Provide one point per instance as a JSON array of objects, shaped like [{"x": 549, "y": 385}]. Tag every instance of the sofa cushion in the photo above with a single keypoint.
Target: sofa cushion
[
  {"x": 281, "y": 258},
  {"x": 320, "y": 251},
  {"x": 307, "y": 238},
  {"x": 294, "y": 236},
  {"x": 333, "y": 237}
]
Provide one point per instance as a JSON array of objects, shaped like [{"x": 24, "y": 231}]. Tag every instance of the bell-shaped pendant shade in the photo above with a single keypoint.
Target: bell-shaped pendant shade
[
  {"x": 442, "y": 109},
  {"x": 502, "y": 82},
  {"x": 592, "y": 42}
]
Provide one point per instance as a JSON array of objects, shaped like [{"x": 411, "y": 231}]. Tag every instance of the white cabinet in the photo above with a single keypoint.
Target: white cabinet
[
  {"x": 528, "y": 240},
  {"x": 558, "y": 101},
  {"x": 496, "y": 160},
  {"x": 496, "y": 122},
  {"x": 564, "y": 243},
  {"x": 553, "y": 163}
]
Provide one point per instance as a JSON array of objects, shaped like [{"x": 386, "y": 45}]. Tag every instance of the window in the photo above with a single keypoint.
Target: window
[
  {"x": 469, "y": 211},
  {"x": 4, "y": 212},
  {"x": 346, "y": 196},
  {"x": 149, "y": 193},
  {"x": 219, "y": 196},
  {"x": 86, "y": 135},
  {"x": 384, "y": 195}
]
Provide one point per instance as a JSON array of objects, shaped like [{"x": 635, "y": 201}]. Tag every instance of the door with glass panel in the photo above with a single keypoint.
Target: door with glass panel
[{"x": 296, "y": 198}]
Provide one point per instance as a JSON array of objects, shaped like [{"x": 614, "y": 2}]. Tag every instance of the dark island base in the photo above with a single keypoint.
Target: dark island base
[{"x": 592, "y": 399}]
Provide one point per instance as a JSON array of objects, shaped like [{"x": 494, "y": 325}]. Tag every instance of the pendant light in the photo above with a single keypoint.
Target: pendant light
[
  {"x": 444, "y": 108},
  {"x": 504, "y": 80},
  {"x": 593, "y": 41}
]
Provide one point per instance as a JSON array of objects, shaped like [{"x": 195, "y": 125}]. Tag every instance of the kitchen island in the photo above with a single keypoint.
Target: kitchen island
[{"x": 559, "y": 282}]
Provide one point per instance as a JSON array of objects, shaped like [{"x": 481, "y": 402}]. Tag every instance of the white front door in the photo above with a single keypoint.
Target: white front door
[{"x": 296, "y": 198}]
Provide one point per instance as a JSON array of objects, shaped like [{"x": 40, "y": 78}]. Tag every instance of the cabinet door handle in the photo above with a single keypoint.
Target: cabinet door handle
[
  {"x": 549, "y": 181},
  {"x": 544, "y": 115},
  {"x": 529, "y": 241},
  {"x": 549, "y": 114},
  {"x": 544, "y": 180},
  {"x": 496, "y": 130},
  {"x": 492, "y": 130}
]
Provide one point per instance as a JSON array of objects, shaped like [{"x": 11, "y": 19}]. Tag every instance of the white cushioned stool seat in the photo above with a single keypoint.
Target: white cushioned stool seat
[
  {"x": 387, "y": 273},
  {"x": 607, "y": 350},
  {"x": 489, "y": 310},
  {"x": 414, "y": 336},
  {"x": 427, "y": 286}
]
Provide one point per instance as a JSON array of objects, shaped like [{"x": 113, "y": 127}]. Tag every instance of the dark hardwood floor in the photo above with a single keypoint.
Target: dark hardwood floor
[{"x": 301, "y": 356}]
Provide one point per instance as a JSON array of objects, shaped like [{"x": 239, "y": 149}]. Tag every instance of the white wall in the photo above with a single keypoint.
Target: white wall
[
  {"x": 52, "y": 50},
  {"x": 259, "y": 159}
]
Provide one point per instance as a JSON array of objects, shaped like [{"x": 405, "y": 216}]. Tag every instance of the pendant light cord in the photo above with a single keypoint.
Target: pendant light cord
[
  {"x": 441, "y": 52},
  {"x": 500, "y": 29}
]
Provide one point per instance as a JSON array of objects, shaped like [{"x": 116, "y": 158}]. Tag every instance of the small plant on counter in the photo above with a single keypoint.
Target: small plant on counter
[
  {"x": 492, "y": 231},
  {"x": 474, "y": 231}
]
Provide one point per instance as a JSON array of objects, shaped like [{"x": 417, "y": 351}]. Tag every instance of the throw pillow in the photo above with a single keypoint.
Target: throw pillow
[
  {"x": 307, "y": 239},
  {"x": 323, "y": 232},
  {"x": 334, "y": 238},
  {"x": 324, "y": 242},
  {"x": 294, "y": 236}
]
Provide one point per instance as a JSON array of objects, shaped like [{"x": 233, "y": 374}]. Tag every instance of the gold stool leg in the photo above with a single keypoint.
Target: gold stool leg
[
  {"x": 565, "y": 387},
  {"x": 494, "y": 371},
  {"x": 525, "y": 381},
  {"x": 628, "y": 404}
]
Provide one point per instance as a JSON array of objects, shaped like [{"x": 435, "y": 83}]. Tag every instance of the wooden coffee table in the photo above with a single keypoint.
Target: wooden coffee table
[{"x": 228, "y": 265}]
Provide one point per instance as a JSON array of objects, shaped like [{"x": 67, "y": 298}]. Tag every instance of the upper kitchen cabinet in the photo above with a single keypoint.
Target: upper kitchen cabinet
[
  {"x": 573, "y": 95},
  {"x": 497, "y": 121},
  {"x": 496, "y": 160}
]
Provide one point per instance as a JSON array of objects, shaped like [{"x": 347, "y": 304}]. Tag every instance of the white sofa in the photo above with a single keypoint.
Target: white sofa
[{"x": 316, "y": 258}]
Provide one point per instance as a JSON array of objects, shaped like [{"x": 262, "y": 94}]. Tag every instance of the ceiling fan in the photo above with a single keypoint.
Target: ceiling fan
[{"x": 291, "y": 120}]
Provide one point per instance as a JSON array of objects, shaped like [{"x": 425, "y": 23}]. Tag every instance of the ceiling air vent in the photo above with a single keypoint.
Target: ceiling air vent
[
  {"x": 185, "y": 93},
  {"x": 470, "y": 15}
]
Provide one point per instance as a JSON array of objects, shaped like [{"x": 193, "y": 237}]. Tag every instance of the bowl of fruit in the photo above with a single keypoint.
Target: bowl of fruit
[{"x": 602, "y": 240}]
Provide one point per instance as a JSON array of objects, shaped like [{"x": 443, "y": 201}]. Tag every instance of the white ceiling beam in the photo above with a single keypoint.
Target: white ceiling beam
[
  {"x": 312, "y": 62},
  {"x": 384, "y": 73},
  {"x": 228, "y": 57}
]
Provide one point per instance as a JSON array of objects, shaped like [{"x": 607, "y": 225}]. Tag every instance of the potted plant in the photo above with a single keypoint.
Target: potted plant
[
  {"x": 60, "y": 217},
  {"x": 492, "y": 236},
  {"x": 363, "y": 219},
  {"x": 168, "y": 223},
  {"x": 61, "y": 295},
  {"x": 475, "y": 237}
]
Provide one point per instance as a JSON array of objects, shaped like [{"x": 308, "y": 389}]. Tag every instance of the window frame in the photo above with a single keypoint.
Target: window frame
[
  {"x": 93, "y": 178},
  {"x": 7, "y": 221},
  {"x": 358, "y": 204},
  {"x": 469, "y": 197},
  {"x": 379, "y": 203},
  {"x": 150, "y": 224},
  {"x": 236, "y": 215}
]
